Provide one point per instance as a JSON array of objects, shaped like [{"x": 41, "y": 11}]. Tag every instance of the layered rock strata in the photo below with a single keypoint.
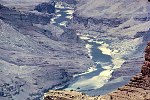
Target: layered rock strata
[
  {"x": 35, "y": 56},
  {"x": 138, "y": 87}
]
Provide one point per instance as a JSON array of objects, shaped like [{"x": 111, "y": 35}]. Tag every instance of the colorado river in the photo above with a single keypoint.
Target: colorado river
[{"x": 105, "y": 61}]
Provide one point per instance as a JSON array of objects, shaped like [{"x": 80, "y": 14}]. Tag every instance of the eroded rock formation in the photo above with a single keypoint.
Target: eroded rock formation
[
  {"x": 138, "y": 87},
  {"x": 142, "y": 80}
]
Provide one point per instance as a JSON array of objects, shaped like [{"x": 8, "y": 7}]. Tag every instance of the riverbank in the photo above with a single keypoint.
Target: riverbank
[
  {"x": 138, "y": 88},
  {"x": 117, "y": 38}
]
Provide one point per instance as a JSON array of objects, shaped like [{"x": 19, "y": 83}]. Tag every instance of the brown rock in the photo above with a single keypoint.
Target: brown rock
[
  {"x": 147, "y": 63},
  {"x": 147, "y": 56},
  {"x": 147, "y": 49},
  {"x": 144, "y": 70},
  {"x": 148, "y": 43}
]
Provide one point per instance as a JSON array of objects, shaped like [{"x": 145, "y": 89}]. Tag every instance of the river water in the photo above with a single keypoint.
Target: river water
[{"x": 98, "y": 75}]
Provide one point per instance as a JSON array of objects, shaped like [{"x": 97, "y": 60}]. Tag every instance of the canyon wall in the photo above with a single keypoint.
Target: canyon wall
[
  {"x": 138, "y": 87},
  {"x": 35, "y": 56}
]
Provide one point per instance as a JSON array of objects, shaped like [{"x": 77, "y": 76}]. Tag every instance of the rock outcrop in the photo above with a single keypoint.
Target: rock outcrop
[
  {"x": 143, "y": 79},
  {"x": 138, "y": 87}
]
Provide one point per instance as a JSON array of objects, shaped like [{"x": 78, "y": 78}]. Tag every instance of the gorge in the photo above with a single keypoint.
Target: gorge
[
  {"x": 91, "y": 46},
  {"x": 137, "y": 89}
]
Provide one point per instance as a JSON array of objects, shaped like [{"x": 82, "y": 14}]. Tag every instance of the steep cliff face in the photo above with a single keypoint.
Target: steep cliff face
[
  {"x": 137, "y": 89},
  {"x": 143, "y": 80}
]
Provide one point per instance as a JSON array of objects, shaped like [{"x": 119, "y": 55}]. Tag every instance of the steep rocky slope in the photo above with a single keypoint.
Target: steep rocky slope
[
  {"x": 120, "y": 28},
  {"x": 35, "y": 56},
  {"x": 137, "y": 89}
]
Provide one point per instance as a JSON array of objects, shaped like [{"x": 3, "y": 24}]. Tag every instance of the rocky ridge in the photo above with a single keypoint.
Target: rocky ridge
[{"x": 138, "y": 87}]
